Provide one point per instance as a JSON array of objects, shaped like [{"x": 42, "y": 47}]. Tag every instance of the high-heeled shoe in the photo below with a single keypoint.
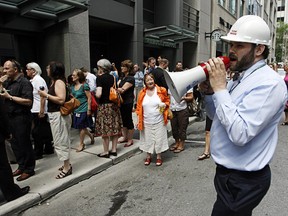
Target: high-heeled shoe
[{"x": 81, "y": 148}]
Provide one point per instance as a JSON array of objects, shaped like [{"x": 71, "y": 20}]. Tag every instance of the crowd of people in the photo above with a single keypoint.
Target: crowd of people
[{"x": 243, "y": 114}]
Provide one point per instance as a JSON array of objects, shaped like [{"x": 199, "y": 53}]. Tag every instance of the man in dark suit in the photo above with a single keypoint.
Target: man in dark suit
[
  {"x": 9, "y": 189},
  {"x": 158, "y": 73}
]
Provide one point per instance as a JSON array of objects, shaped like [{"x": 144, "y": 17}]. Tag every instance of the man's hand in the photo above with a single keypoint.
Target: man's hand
[
  {"x": 5, "y": 94},
  {"x": 217, "y": 74}
]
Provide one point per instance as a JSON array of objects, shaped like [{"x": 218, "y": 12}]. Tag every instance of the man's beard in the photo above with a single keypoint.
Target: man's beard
[{"x": 245, "y": 62}]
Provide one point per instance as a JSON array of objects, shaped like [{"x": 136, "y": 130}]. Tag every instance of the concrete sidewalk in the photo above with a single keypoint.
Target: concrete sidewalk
[{"x": 85, "y": 164}]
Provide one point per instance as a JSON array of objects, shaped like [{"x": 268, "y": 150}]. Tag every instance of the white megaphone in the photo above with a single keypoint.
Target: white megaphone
[{"x": 180, "y": 82}]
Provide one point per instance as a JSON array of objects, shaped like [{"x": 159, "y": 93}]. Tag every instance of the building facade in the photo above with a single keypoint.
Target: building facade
[
  {"x": 225, "y": 12},
  {"x": 79, "y": 32}
]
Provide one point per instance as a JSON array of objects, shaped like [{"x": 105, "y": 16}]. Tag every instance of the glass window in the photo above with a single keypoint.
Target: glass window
[
  {"x": 222, "y": 2},
  {"x": 254, "y": 7},
  {"x": 232, "y": 7}
]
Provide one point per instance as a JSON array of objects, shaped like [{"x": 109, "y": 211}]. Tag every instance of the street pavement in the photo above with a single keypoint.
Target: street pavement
[{"x": 85, "y": 164}]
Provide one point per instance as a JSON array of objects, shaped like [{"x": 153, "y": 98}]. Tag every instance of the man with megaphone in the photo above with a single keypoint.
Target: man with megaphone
[{"x": 246, "y": 113}]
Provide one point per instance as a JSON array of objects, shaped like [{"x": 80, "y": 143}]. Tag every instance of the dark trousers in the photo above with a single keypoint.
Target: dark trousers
[
  {"x": 126, "y": 114},
  {"x": 239, "y": 192},
  {"x": 21, "y": 144},
  {"x": 42, "y": 135},
  {"x": 9, "y": 189},
  {"x": 179, "y": 124}
]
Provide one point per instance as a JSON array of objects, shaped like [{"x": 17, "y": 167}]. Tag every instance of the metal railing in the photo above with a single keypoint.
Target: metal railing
[{"x": 190, "y": 17}]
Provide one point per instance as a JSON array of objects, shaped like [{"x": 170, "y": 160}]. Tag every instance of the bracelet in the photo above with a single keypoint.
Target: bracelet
[
  {"x": 11, "y": 98},
  {"x": 47, "y": 96}
]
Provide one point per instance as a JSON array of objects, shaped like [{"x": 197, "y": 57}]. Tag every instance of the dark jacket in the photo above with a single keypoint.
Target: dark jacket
[
  {"x": 4, "y": 122},
  {"x": 159, "y": 78}
]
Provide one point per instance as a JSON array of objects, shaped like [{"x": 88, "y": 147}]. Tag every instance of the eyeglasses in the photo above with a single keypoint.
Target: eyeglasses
[{"x": 29, "y": 68}]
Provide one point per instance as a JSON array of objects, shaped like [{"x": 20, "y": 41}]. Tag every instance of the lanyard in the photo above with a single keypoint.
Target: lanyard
[{"x": 234, "y": 86}]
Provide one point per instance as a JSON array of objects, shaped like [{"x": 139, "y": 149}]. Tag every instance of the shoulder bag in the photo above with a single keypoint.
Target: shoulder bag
[
  {"x": 70, "y": 105},
  {"x": 114, "y": 95}
]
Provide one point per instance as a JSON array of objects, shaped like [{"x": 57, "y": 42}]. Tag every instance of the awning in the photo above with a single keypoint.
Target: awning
[
  {"x": 169, "y": 35},
  {"x": 36, "y": 15}
]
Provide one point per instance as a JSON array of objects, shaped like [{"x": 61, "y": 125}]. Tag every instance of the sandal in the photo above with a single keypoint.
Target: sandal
[
  {"x": 122, "y": 140},
  {"x": 172, "y": 148},
  {"x": 92, "y": 141},
  {"x": 81, "y": 148},
  {"x": 62, "y": 167},
  {"x": 204, "y": 156},
  {"x": 63, "y": 174},
  {"x": 147, "y": 161},
  {"x": 129, "y": 144},
  {"x": 179, "y": 149},
  {"x": 159, "y": 162}
]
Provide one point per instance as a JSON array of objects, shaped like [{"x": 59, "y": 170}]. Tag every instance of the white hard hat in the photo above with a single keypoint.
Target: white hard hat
[{"x": 249, "y": 29}]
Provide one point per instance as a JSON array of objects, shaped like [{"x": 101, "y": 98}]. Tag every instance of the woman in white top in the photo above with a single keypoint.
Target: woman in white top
[{"x": 152, "y": 110}]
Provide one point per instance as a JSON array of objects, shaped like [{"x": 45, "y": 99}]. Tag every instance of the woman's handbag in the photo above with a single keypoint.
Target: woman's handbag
[
  {"x": 69, "y": 106},
  {"x": 94, "y": 104},
  {"x": 114, "y": 95},
  {"x": 192, "y": 107}
]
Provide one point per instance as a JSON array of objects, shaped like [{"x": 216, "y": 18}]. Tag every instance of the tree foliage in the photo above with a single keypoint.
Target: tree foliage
[{"x": 281, "y": 42}]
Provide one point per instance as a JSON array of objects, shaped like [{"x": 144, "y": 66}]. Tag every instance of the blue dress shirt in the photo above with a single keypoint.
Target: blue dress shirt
[{"x": 244, "y": 131}]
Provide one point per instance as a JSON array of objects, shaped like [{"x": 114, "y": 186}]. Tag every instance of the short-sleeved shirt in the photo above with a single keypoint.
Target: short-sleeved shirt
[
  {"x": 21, "y": 87},
  {"x": 105, "y": 81},
  {"x": 37, "y": 81},
  {"x": 128, "y": 95},
  {"x": 91, "y": 81},
  {"x": 81, "y": 96}
]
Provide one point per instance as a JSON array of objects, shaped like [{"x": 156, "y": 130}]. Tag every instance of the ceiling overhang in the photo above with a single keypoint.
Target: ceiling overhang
[
  {"x": 169, "y": 35},
  {"x": 32, "y": 15}
]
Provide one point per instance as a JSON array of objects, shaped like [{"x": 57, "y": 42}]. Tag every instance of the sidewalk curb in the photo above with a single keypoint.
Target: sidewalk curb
[{"x": 33, "y": 198}]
